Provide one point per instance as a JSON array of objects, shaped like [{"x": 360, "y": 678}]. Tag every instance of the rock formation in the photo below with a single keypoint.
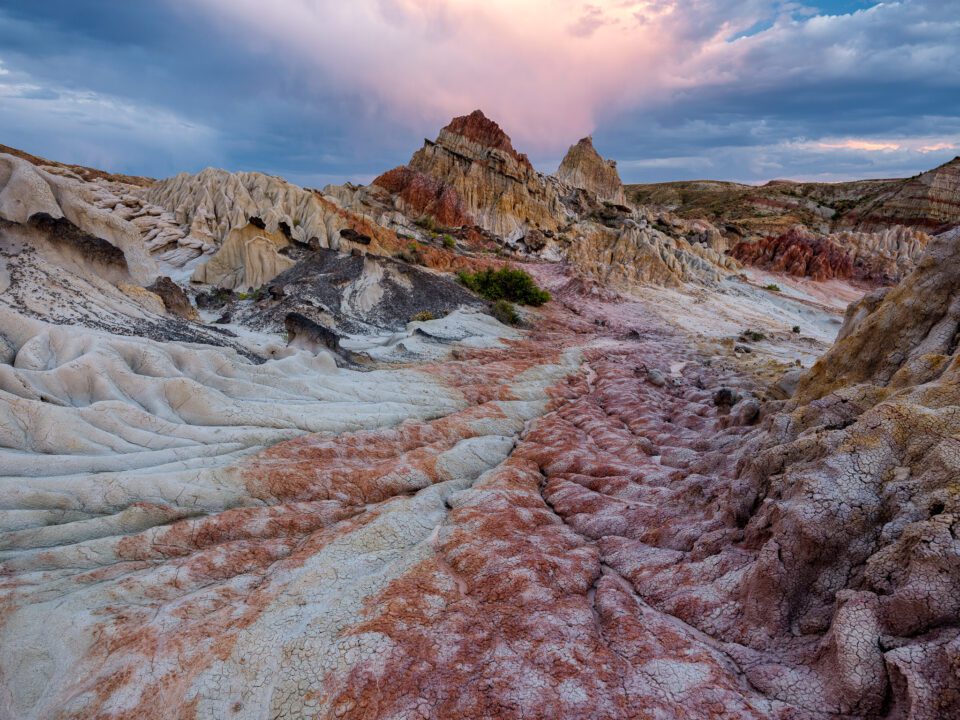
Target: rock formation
[
  {"x": 472, "y": 172},
  {"x": 884, "y": 256},
  {"x": 248, "y": 258},
  {"x": 927, "y": 202},
  {"x": 583, "y": 167},
  {"x": 797, "y": 252}
]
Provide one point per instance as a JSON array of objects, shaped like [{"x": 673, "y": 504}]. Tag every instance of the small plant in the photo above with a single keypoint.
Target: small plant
[
  {"x": 507, "y": 283},
  {"x": 796, "y": 329},
  {"x": 772, "y": 287},
  {"x": 412, "y": 255},
  {"x": 423, "y": 316},
  {"x": 752, "y": 336},
  {"x": 449, "y": 242},
  {"x": 427, "y": 223},
  {"x": 505, "y": 312}
]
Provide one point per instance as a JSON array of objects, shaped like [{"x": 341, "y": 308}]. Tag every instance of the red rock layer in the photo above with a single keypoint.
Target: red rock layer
[
  {"x": 797, "y": 253},
  {"x": 482, "y": 130},
  {"x": 423, "y": 195}
]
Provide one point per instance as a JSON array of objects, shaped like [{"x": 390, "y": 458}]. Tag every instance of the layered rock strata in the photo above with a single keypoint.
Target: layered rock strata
[{"x": 583, "y": 167}]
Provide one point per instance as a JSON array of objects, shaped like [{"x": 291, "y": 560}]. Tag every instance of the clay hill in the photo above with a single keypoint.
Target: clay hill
[{"x": 476, "y": 441}]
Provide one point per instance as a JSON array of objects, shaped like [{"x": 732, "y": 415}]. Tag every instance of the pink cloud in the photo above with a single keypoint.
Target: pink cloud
[
  {"x": 865, "y": 145},
  {"x": 547, "y": 70},
  {"x": 550, "y": 70},
  {"x": 937, "y": 147}
]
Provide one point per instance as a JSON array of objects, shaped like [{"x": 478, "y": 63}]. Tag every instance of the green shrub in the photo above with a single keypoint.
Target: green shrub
[
  {"x": 507, "y": 283},
  {"x": 427, "y": 223},
  {"x": 422, "y": 316},
  {"x": 505, "y": 312},
  {"x": 449, "y": 242},
  {"x": 752, "y": 336},
  {"x": 796, "y": 329},
  {"x": 772, "y": 287}
]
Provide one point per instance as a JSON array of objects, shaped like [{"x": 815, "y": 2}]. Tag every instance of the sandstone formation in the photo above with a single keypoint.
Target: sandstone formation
[
  {"x": 583, "y": 167},
  {"x": 248, "y": 258},
  {"x": 473, "y": 172}
]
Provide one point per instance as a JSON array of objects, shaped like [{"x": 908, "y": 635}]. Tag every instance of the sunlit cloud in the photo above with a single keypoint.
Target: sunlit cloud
[
  {"x": 865, "y": 145},
  {"x": 938, "y": 147},
  {"x": 548, "y": 70}
]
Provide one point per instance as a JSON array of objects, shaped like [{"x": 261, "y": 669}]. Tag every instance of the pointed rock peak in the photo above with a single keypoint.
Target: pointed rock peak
[
  {"x": 583, "y": 167},
  {"x": 480, "y": 129}
]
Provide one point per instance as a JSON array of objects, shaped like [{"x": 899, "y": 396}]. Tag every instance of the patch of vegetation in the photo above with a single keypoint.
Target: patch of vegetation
[
  {"x": 255, "y": 294},
  {"x": 423, "y": 316},
  {"x": 752, "y": 336},
  {"x": 796, "y": 329},
  {"x": 507, "y": 283},
  {"x": 772, "y": 287},
  {"x": 505, "y": 312},
  {"x": 427, "y": 223},
  {"x": 449, "y": 242},
  {"x": 412, "y": 254}
]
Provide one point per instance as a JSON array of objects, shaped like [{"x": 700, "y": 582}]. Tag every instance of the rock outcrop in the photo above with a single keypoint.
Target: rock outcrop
[
  {"x": 473, "y": 172},
  {"x": 799, "y": 253},
  {"x": 885, "y": 256},
  {"x": 855, "y": 515},
  {"x": 248, "y": 258},
  {"x": 29, "y": 192},
  {"x": 930, "y": 202},
  {"x": 583, "y": 167}
]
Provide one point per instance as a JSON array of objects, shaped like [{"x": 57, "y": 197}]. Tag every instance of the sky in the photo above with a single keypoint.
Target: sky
[{"x": 322, "y": 91}]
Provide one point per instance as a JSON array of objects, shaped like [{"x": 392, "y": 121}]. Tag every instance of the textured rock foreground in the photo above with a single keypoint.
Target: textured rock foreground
[{"x": 261, "y": 456}]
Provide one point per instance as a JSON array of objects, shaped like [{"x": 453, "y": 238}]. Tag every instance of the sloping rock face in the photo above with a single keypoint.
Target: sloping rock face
[
  {"x": 638, "y": 254},
  {"x": 28, "y": 192},
  {"x": 202, "y": 210},
  {"x": 417, "y": 194},
  {"x": 358, "y": 294},
  {"x": 583, "y": 167},
  {"x": 249, "y": 258},
  {"x": 796, "y": 252},
  {"x": 474, "y": 163},
  {"x": 857, "y": 519},
  {"x": 883, "y": 257},
  {"x": 930, "y": 201}
]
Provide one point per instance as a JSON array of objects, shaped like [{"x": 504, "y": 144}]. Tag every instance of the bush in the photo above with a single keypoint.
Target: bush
[
  {"x": 422, "y": 316},
  {"x": 752, "y": 336},
  {"x": 796, "y": 329},
  {"x": 507, "y": 283},
  {"x": 449, "y": 242},
  {"x": 505, "y": 312},
  {"x": 412, "y": 255},
  {"x": 772, "y": 287},
  {"x": 427, "y": 223}
]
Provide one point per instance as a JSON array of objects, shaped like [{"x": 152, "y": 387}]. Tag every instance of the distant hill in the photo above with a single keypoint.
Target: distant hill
[{"x": 930, "y": 201}]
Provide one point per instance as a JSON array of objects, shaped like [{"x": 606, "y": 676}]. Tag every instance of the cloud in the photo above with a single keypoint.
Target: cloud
[
  {"x": 427, "y": 61},
  {"x": 137, "y": 133},
  {"x": 866, "y": 145},
  {"x": 938, "y": 147},
  {"x": 317, "y": 89}
]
